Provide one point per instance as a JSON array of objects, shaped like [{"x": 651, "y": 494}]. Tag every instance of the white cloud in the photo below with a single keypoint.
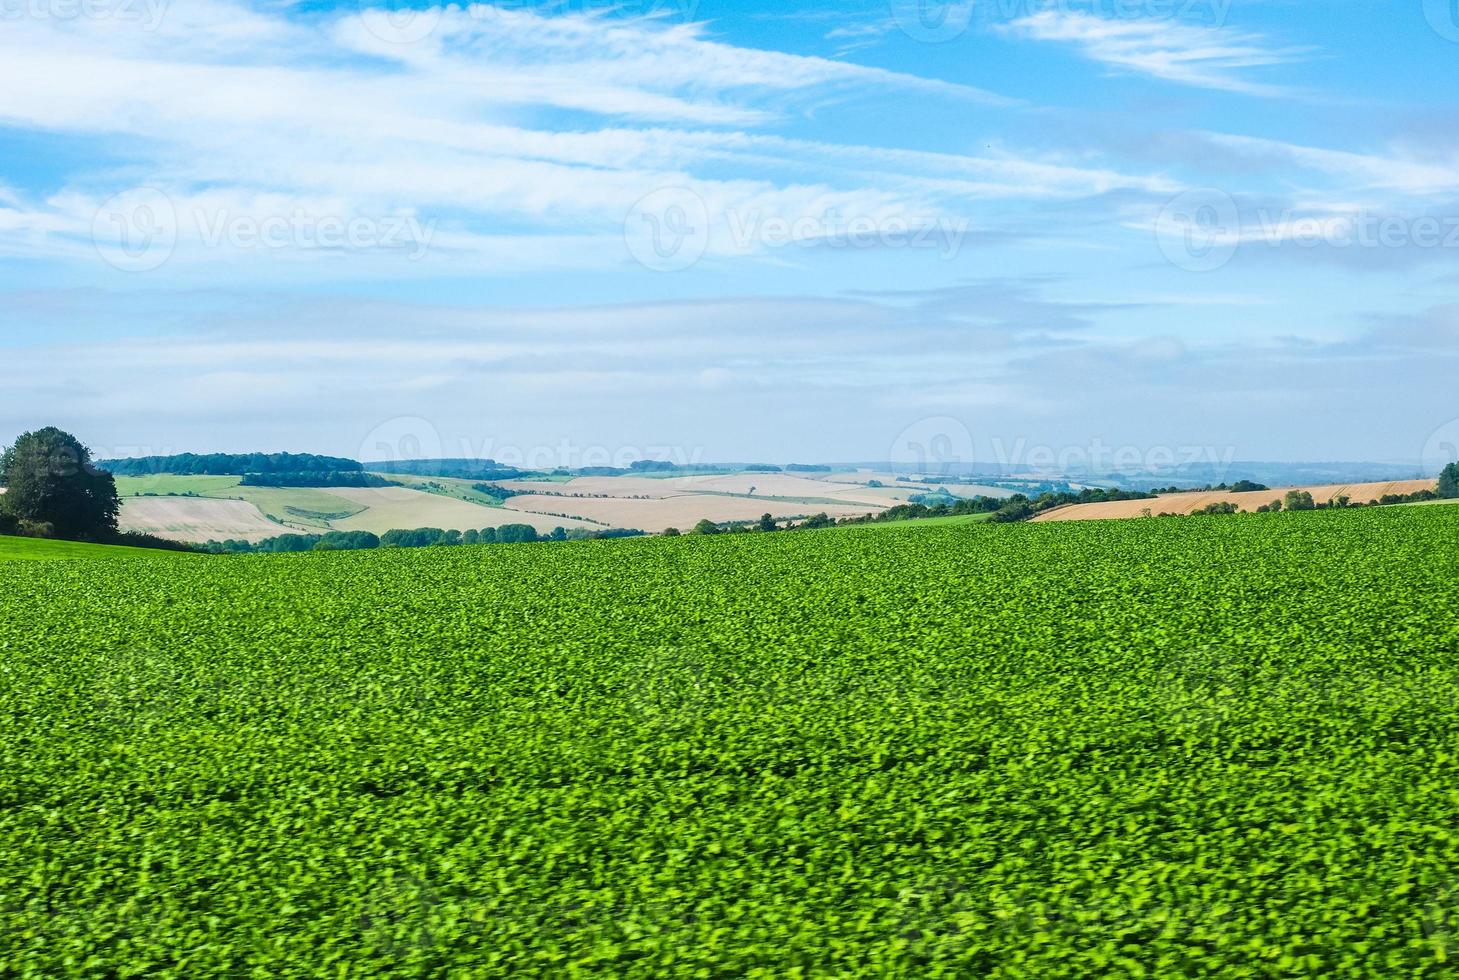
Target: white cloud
[{"x": 1201, "y": 56}]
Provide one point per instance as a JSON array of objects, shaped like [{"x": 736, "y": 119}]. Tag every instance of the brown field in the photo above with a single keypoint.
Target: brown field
[
  {"x": 389, "y": 508},
  {"x": 198, "y": 519},
  {"x": 1186, "y": 503},
  {"x": 683, "y": 511}
]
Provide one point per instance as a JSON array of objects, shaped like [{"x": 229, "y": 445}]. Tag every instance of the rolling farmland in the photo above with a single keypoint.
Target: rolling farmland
[
  {"x": 200, "y": 508},
  {"x": 1188, "y": 503},
  {"x": 1216, "y": 748}
]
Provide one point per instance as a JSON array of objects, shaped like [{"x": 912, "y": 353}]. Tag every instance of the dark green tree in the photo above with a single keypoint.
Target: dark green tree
[
  {"x": 49, "y": 479},
  {"x": 705, "y": 526},
  {"x": 766, "y": 523},
  {"x": 1449, "y": 482},
  {"x": 1299, "y": 500}
]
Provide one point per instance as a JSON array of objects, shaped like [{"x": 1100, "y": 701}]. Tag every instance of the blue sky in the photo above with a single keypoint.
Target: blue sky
[{"x": 734, "y": 230}]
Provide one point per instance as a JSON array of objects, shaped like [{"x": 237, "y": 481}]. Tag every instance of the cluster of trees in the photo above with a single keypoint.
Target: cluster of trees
[
  {"x": 1240, "y": 486},
  {"x": 1449, "y": 482},
  {"x": 315, "y": 478},
  {"x": 421, "y": 537},
  {"x": 497, "y": 493},
  {"x": 459, "y": 469},
  {"x": 227, "y": 464},
  {"x": 53, "y": 489}
]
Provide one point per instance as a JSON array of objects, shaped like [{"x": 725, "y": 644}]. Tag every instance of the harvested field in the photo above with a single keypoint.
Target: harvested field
[
  {"x": 683, "y": 511},
  {"x": 1187, "y": 503},
  {"x": 197, "y": 519},
  {"x": 388, "y": 508}
]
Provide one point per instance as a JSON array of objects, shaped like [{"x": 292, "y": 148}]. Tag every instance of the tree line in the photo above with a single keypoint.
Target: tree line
[
  {"x": 229, "y": 464},
  {"x": 420, "y": 537}
]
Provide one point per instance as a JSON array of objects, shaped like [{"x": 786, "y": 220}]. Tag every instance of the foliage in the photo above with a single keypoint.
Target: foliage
[
  {"x": 51, "y": 480},
  {"x": 461, "y": 469},
  {"x": 1299, "y": 500},
  {"x": 1449, "y": 482},
  {"x": 495, "y": 492},
  {"x": 227, "y": 464},
  {"x": 314, "y": 478},
  {"x": 1160, "y": 749}
]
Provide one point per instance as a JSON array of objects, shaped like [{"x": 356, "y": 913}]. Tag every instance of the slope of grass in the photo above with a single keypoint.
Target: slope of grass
[
  {"x": 38, "y": 549},
  {"x": 920, "y": 522},
  {"x": 1186, "y": 748},
  {"x": 163, "y": 484}
]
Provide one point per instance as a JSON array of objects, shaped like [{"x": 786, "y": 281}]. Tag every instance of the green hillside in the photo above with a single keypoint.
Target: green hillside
[
  {"x": 1210, "y": 747},
  {"x": 39, "y": 549}
]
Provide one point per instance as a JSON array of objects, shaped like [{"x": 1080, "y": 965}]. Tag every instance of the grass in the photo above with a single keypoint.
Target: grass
[
  {"x": 950, "y": 521},
  {"x": 164, "y": 484},
  {"x": 39, "y": 549},
  {"x": 456, "y": 489},
  {"x": 1215, "y": 747}
]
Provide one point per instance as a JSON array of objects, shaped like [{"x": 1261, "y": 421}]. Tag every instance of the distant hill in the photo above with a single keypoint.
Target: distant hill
[
  {"x": 229, "y": 464},
  {"x": 458, "y": 469}
]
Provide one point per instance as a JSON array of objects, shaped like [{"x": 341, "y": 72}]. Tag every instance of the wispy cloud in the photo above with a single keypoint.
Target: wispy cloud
[{"x": 1201, "y": 56}]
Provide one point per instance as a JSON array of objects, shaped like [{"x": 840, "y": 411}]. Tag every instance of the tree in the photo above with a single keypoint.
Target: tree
[
  {"x": 1449, "y": 482},
  {"x": 766, "y": 523},
  {"x": 51, "y": 480},
  {"x": 1299, "y": 500},
  {"x": 705, "y": 526},
  {"x": 671, "y": 532}
]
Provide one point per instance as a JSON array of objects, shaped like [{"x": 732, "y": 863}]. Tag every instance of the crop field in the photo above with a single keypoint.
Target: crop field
[
  {"x": 1187, "y": 503},
  {"x": 683, "y": 511},
  {"x": 197, "y": 518},
  {"x": 1210, "y": 748}
]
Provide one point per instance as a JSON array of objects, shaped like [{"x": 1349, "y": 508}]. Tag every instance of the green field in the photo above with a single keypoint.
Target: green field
[
  {"x": 39, "y": 549},
  {"x": 163, "y": 484},
  {"x": 1211, "y": 747},
  {"x": 947, "y": 521}
]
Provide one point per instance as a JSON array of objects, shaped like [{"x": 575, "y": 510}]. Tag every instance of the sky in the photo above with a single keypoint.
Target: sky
[{"x": 579, "y": 233}]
